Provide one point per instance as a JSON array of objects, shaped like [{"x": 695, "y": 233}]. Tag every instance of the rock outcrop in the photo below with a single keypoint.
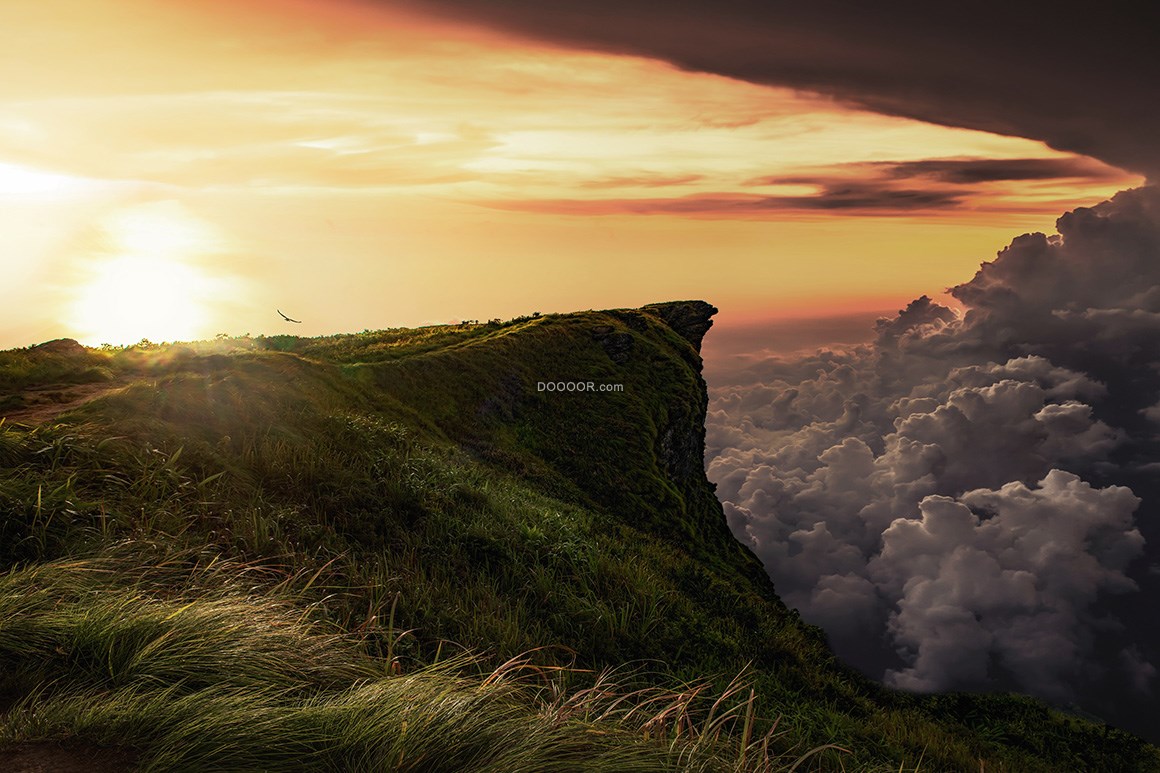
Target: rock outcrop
[
  {"x": 690, "y": 319},
  {"x": 60, "y": 346}
]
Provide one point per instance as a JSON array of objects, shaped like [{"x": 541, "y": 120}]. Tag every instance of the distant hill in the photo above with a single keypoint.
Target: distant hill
[{"x": 476, "y": 547}]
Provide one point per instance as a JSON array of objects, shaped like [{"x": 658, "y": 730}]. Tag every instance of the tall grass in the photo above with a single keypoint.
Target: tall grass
[{"x": 184, "y": 667}]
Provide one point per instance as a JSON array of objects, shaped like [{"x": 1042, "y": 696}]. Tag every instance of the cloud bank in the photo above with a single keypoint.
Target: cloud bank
[
  {"x": 964, "y": 492},
  {"x": 1080, "y": 82},
  {"x": 872, "y": 188}
]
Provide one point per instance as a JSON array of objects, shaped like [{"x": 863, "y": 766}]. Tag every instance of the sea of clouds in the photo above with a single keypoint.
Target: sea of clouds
[{"x": 953, "y": 501}]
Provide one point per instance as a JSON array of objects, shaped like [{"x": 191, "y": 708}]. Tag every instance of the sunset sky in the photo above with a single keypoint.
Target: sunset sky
[{"x": 177, "y": 170}]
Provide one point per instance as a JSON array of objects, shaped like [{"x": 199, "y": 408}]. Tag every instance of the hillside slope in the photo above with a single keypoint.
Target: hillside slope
[{"x": 239, "y": 554}]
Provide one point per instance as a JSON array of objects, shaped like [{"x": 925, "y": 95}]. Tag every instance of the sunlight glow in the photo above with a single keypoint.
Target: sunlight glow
[
  {"x": 150, "y": 286},
  {"x": 19, "y": 180},
  {"x": 160, "y": 230},
  {"x": 135, "y": 296}
]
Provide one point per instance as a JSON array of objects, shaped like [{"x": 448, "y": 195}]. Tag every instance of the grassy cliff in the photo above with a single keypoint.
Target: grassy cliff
[{"x": 394, "y": 551}]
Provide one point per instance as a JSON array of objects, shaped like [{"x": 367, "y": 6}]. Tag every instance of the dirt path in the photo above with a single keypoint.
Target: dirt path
[
  {"x": 60, "y": 756},
  {"x": 48, "y": 757},
  {"x": 40, "y": 404}
]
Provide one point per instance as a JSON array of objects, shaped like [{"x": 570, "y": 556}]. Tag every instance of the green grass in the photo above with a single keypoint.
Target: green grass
[
  {"x": 270, "y": 538},
  {"x": 24, "y": 368},
  {"x": 215, "y": 665}
]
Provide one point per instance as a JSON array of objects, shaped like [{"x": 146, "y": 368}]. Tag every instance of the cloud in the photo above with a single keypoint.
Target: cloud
[
  {"x": 1151, "y": 413},
  {"x": 901, "y": 188},
  {"x": 1099, "y": 271},
  {"x": 954, "y": 171},
  {"x": 643, "y": 181},
  {"x": 1078, "y": 81},
  {"x": 850, "y": 198},
  {"x": 933, "y": 183},
  {"x": 1013, "y": 585},
  {"x": 972, "y": 171},
  {"x": 951, "y": 501}
]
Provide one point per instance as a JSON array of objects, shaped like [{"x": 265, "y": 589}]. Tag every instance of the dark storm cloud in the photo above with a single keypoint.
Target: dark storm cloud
[
  {"x": 949, "y": 171},
  {"x": 870, "y": 188},
  {"x": 859, "y": 196},
  {"x": 1080, "y": 79},
  {"x": 852, "y": 198},
  {"x": 971, "y": 171},
  {"x": 944, "y": 489}
]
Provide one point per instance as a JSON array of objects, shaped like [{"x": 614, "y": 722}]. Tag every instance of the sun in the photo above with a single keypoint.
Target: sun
[
  {"x": 135, "y": 297},
  {"x": 150, "y": 284}
]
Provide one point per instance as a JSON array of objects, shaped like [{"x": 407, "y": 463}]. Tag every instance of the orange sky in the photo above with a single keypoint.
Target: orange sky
[{"x": 176, "y": 170}]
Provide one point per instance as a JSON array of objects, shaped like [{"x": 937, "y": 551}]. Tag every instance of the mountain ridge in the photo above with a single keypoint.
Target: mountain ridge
[{"x": 419, "y": 481}]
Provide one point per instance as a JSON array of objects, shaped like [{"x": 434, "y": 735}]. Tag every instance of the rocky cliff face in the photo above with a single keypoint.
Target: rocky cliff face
[
  {"x": 680, "y": 445},
  {"x": 689, "y": 319}
]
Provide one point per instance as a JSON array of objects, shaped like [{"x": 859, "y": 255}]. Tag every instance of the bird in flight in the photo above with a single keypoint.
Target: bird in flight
[{"x": 287, "y": 318}]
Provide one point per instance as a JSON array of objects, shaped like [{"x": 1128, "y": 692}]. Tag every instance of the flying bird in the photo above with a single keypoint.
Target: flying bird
[{"x": 287, "y": 318}]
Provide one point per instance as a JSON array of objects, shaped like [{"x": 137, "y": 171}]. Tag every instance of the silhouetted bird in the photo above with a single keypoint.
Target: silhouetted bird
[{"x": 287, "y": 318}]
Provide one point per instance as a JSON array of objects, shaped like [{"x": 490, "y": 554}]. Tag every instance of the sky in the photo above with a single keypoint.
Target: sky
[
  {"x": 175, "y": 171},
  {"x": 935, "y": 377}
]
